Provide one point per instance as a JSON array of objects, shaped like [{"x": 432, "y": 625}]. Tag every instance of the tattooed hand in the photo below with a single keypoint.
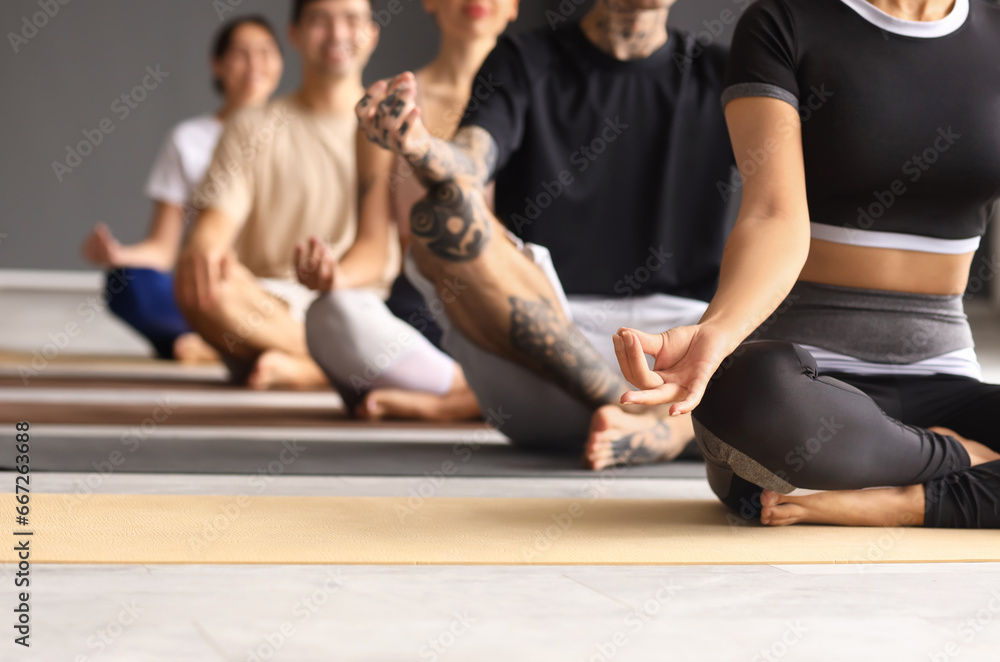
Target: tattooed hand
[{"x": 389, "y": 116}]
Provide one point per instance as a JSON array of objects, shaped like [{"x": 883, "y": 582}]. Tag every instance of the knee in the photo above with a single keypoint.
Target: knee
[
  {"x": 738, "y": 494},
  {"x": 318, "y": 316},
  {"x": 752, "y": 387},
  {"x": 326, "y": 320},
  {"x": 190, "y": 309},
  {"x": 343, "y": 318},
  {"x": 130, "y": 286}
]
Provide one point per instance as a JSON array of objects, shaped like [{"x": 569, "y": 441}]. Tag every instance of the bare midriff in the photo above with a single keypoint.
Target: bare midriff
[{"x": 886, "y": 268}]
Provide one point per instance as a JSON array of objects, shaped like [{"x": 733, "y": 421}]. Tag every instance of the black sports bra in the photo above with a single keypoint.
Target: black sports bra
[{"x": 900, "y": 119}]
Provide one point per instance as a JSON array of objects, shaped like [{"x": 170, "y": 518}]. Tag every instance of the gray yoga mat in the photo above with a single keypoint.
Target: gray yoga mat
[{"x": 348, "y": 452}]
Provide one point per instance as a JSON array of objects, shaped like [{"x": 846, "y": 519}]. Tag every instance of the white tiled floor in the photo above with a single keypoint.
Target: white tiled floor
[{"x": 697, "y": 613}]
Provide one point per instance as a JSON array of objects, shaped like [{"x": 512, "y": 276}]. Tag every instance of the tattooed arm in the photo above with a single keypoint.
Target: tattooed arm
[
  {"x": 472, "y": 153},
  {"x": 390, "y": 117}
]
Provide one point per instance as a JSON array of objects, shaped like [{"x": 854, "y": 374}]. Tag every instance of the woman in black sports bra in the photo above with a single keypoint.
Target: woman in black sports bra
[{"x": 836, "y": 355}]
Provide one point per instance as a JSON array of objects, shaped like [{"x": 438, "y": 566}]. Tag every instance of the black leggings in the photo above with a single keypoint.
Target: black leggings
[{"x": 768, "y": 419}]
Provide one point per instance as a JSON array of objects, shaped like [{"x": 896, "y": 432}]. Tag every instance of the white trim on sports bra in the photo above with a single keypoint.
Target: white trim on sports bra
[
  {"x": 922, "y": 29},
  {"x": 961, "y": 362},
  {"x": 839, "y": 234}
]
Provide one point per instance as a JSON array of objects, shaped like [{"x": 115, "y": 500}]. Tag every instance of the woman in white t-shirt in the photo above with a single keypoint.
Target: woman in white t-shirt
[{"x": 246, "y": 67}]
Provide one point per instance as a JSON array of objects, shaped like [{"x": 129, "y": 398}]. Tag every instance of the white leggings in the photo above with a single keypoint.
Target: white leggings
[{"x": 362, "y": 346}]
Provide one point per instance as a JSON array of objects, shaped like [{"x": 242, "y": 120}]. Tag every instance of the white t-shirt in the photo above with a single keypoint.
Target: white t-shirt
[{"x": 183, "y": 160}]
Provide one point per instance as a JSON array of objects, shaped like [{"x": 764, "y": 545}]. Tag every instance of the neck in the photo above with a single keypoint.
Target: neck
[
  {"x": 458, "y": 61},
  {"x": 328, "y": 95},
  {"x": 228, "y": 108},
  {"x": 626, "y": 34},
  {"x": 915, "y": 10}
]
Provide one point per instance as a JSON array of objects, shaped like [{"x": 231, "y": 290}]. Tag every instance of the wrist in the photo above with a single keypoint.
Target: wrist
[
  {"x": 345, "y": 279},
  {"x": 420, "y": 144},
  {"x": 729, "y": 333}
]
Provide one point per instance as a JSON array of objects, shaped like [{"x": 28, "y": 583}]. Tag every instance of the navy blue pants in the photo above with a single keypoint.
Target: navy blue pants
[{"x": 144, "y": 299}]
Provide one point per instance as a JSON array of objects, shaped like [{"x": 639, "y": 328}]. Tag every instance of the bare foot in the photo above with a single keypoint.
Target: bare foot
[
  {"x": 978, "y": 453},
  {"x": 618, "y": 437},
  {"x": 192, "y": 348},
  {"x": 459, "y": 405},
  {"x": 275, "y": 368},
  {"x": 886, "y": 506}
]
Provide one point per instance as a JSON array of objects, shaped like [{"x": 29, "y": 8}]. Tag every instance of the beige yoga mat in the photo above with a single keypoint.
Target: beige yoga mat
[{"x": 366, "y": 530}]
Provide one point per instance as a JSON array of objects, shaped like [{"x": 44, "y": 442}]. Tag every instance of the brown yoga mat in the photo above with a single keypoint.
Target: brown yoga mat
[
  {"x": 366, "y": 530},
  {"x": 28, "y": 367}
]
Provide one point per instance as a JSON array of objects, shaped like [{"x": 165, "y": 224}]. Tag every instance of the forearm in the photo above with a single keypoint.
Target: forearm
[
  {"x": 761, "y": 263},
  {"x": 361, "y": 265},
  {"x": 440, "y": 161},
  {"x": 148, "y": 254},
  {"x": 212, "y": 231}
]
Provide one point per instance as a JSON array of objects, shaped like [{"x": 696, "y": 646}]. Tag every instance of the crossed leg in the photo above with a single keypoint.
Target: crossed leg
[
  {"x": 887, "y": 506},
  {"x": 510, "y": 308},
  {"x": 769, "y": 419},
  {"x": 255, "y": 334}
]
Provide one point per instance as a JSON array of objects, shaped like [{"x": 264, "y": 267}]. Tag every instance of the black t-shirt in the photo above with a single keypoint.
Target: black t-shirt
[
  {"x": 901, "y": 119},
  {"x": 612, "y": 165}
]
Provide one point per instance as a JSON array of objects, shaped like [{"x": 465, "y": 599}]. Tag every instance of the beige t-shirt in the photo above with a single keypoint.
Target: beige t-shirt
[{"x": 285, "y": 173}]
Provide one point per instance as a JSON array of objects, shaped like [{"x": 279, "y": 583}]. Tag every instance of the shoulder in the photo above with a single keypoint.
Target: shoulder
[
  {"x": 531, "y": 50},
  {"x": 990, "y": 9},
  {"x": 794, "y": 15},
  {"x": 196, "y": 130},
  {"x": 707, "y": 59},
  {"x": 781, "y": 8},
  {"x": 784, "y": 26},
  {"x": 248, "y": 120}
]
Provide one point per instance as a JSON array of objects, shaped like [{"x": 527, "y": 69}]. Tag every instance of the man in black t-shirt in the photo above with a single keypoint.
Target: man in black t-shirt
[{"x": 606, "y": 141}]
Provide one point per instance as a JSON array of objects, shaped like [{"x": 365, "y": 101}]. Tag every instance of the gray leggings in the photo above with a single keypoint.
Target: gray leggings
[{"x": 769, "y": 420}]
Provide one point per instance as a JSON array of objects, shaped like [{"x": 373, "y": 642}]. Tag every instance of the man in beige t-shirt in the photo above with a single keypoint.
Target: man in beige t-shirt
[{"x": 282, "y": 175}]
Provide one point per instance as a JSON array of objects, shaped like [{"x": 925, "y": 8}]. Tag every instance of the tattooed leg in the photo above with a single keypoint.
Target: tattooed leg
[
  {"x": 618, "y": 437},
  {"x": 558, "y": 351},
  {"x": 453, "y": 224},
  {"x": 507, "y": 307},
  {"x": 564, "y": 357}
]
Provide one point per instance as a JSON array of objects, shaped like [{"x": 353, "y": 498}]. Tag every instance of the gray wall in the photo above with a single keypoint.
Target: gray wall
[{"x": 64, "y": 80}]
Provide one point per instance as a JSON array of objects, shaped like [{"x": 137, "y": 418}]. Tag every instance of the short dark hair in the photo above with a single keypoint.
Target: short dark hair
[
  {"x": 223, "y": 39},
  {"x": 298, "y": 6}
]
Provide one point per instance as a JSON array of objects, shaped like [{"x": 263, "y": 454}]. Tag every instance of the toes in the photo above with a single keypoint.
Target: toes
[
  {"x": 364, "y": 409},
  {"x": 769, "y": 498},
  {"x": 784, "y": 514},
  {"x": 778, "y": 509},
  {"x": 600, "y": 420},
  {"x": 370, "y": 408},
  {"x": 597, "y": 462},
  {"x": 769, "y": 501},
  {"x": 597, "y": 453}
]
